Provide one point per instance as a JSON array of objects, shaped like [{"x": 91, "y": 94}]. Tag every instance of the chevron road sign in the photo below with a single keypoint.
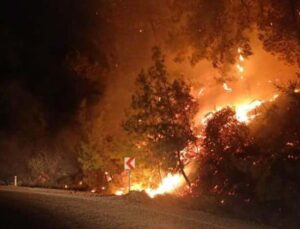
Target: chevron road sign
[{"x": 129, "y": 163}]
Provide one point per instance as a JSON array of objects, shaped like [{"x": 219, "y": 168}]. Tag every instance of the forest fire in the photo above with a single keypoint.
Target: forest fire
[
  {"x": 244, "y": 112},
  {"x": 173, "y": 182},
  {"x": 203, "y": 95}
]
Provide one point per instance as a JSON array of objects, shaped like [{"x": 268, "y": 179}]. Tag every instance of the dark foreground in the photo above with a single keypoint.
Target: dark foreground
[{"x": 44, "y": 208}]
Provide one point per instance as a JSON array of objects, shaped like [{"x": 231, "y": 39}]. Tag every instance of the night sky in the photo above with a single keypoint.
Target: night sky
[
  {"x": 36, "y": 37},
  {"x": 57, "y": 56}
]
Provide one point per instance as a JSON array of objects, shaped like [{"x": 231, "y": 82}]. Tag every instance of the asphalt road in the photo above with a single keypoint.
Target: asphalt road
[{"x": 45, "y": 208}]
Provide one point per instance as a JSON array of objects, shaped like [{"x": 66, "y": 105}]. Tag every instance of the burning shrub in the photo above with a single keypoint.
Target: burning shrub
[
  {"x": 257, "y": 162},
  {"x": 225, "y": 164}
]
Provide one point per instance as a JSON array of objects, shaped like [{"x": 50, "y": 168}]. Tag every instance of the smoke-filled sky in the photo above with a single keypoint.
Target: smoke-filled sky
[{"x": 60, "y": 56}]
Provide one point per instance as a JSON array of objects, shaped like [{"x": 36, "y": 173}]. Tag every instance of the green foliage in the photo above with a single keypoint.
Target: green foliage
[
  {"x": 101, "y": 155},
  {"x": 89, "y": 158},
  {"x": 162, "y": 112}
]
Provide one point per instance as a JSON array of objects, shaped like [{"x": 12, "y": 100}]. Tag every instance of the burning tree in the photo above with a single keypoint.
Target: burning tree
[
  {"x": 216, "y": 29},
  {"x": 161, "y": 114}
]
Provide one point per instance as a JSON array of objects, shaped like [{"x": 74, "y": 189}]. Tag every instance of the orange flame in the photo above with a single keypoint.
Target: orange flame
[
  {"x": 239, "y": 65},
  {"x": 119, "y": 193},
  {"x": 226, "y": 87},
  {"x": 168, "y": 185},
  {"x": 242, "y": 111}
]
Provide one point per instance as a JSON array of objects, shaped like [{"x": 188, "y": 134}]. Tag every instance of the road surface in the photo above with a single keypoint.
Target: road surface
[{"x": 45, "y": 208}]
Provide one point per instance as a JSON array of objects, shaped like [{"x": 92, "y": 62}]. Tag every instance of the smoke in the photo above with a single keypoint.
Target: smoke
[
  {"x": 262, "y": 71},
  {"x": 108, "y": 42},
  {"x": 149, "y": 26},
  {"x": 140, "y": 25}
]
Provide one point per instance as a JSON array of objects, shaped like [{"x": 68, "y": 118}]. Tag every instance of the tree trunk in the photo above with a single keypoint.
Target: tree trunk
[{"x": 181, "y": 167}]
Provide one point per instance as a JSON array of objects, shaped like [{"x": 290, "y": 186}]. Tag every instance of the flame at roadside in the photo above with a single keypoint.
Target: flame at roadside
[
  {"x": 119, "y": 193},
  {"x": 168, "y": 185}
]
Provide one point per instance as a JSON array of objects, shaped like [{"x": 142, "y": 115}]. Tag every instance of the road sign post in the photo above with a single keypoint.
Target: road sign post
[
  {"x": 129, "y": 164},
  {"x": 129, "y": 181},
  {"x": 15, "y": 181}
]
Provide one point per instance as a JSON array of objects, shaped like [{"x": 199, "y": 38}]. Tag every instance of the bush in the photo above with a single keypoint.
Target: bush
[{"x": 46, "y": 169}]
